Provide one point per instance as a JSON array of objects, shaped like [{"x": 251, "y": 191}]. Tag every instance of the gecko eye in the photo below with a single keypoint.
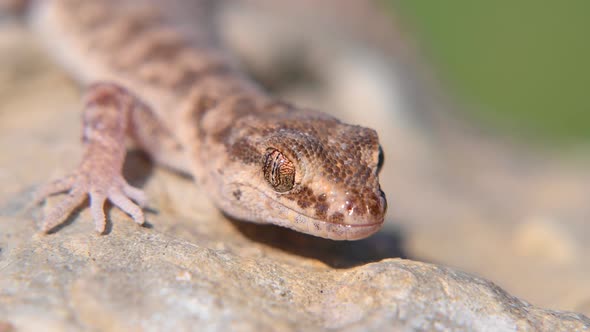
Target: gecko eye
[{"x": 279, "y": 171}]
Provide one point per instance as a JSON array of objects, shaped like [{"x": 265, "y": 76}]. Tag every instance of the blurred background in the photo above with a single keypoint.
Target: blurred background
[{"x": 522, "y": 67}]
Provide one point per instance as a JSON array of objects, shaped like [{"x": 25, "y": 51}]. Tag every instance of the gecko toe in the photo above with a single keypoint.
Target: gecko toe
[
  {"x": 135, "y": 194},
  {"x": 97, "y": 210},
  {"x": 119, "y": 199},
  {"x": 59, "y": 213},
  {"x": 52, "y": 188}
]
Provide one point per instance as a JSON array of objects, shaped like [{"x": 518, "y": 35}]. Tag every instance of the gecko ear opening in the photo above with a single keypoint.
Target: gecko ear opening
[{"x": 278, "y": 170}]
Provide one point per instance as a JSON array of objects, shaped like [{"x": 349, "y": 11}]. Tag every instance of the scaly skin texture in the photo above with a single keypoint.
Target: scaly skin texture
[{"x": 159, "y": 78}]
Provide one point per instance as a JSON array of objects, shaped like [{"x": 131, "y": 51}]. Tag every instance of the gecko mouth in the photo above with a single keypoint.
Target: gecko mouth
[{"x": 323, "y": 228}]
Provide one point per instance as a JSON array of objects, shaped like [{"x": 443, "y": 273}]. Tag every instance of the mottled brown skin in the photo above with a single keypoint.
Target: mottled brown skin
[{"x": 166, "y": 85}]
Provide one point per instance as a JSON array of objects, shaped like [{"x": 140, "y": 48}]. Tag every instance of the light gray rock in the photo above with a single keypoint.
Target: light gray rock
[{"x": 142, "y": 279}]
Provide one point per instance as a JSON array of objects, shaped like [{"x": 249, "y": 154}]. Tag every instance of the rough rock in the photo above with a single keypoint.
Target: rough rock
[{"x": 144, "y": 279}]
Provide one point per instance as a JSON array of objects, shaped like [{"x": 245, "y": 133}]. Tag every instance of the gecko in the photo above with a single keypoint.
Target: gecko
[{"x": 155, "y": 72}]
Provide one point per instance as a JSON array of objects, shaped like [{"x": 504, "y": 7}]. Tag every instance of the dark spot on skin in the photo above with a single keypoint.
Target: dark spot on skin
[
  {"x": 222, "y": 134},
  {"x": 374, "y": 209},
  {"x": 220, "y": 171},
  {"x": 237, "y": 194},
  {"x": 245, "y": 152},
  {"x": 336, "y": 218},
  {"x": 316, "y": 225},
  {"x": 243, "y": 106},
  {"x": 374, "y": 205},
  {"x": 322, "y": 197},
  {"x": 162, "y": 50},
  {"x": 190, "y": 77},
  {"x": 303, "y": 195},
  {"x": 203, "y": 105},
  {"x": 239, "y": 108},
  {"x": 321, "y": 210},
  {"x": 107, "y": 107},
  {"x": 303, "y": 203}
]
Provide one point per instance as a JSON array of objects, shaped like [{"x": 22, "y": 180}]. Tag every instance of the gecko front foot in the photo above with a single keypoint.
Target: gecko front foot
[
  {"x": 99, "y": 176},
  {"x": 82, "y": 186}
]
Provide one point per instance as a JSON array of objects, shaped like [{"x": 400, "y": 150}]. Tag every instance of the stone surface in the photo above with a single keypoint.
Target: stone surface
[
  {"x": 144, "y": 279},
  {"x": 518, "y": 218}
]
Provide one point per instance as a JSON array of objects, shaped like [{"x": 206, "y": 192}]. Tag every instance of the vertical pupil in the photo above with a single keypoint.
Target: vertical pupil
[{"x": 276, "y": 168}]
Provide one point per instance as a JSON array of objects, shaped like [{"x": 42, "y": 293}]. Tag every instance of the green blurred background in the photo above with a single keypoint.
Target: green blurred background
[{"x": 521, "y": 66}]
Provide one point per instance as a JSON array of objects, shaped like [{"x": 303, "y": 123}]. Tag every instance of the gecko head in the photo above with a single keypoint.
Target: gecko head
[{"x": 304, "y": 170}]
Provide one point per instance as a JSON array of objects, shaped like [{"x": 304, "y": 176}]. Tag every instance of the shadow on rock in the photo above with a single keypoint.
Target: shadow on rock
[
  {"x": 336, "y": 254},
  {"x": 137, "y": 168}
]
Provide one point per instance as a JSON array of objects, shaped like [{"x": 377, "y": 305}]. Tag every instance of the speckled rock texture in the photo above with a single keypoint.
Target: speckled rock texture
[
  {"x": 136, "y": 279},
  {"x": 518, "y": 218}
]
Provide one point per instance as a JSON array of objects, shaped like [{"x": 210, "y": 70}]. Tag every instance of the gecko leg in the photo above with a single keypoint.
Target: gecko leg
[{"x": 107, "y": 116}]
